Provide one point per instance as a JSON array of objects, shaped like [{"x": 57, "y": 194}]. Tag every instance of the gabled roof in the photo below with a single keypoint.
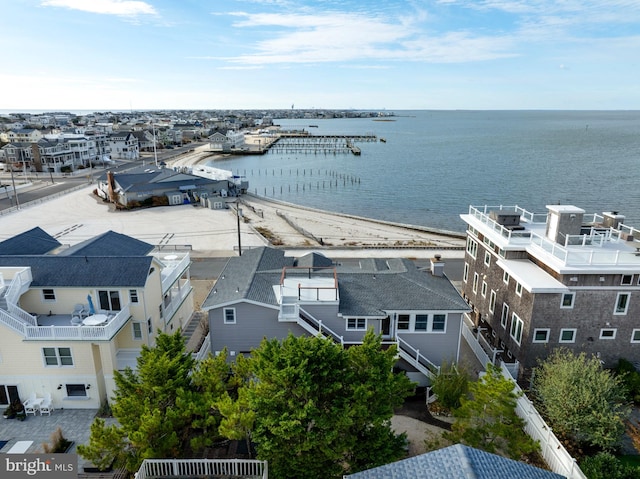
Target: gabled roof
[
  {"x": 109, "y": 244},
  {"x": 34, "y": 241},
  {"x": 456, "y": 462},
  {"x": 370, "y": 289},
  {"x": 83, "y": 271}
]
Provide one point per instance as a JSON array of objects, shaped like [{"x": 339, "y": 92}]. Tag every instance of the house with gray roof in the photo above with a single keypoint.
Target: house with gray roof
[
  {"x": 265, "y": 294},
  {"x": 133, "y": 187},
  {"x": 71, "y": 315},
  {"x": 456, "y": 462}
]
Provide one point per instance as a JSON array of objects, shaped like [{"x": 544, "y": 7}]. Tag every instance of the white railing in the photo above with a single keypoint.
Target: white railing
[
  {"x": 75, "y": 333},
  {"x": 176, "y": 301},
  {"x": 204, "y": 350},
  {"x": 19, "y": 284},
  {"x": 518, "y": 235},
  {"x": 419, "y": 361},
  {"x": 552, "y": 450},
  {"x": 2, "y": 283},
  {"x": 315, "y": 326},
  {"x": 176, "y": 272},
  {"x": 475, "y": 346},
  {"x": 188, "y": 468},
  {"x": 585, "y": 256}
]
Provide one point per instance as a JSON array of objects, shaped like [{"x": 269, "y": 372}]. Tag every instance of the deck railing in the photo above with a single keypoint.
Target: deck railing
[
  {"x": 419, "y": 361},
  {"x": 70, "y": 333},
  {"x": 190, "y": 468},
  {"x": 176, "y": 301},
  {"x": 176, "y": 271}
]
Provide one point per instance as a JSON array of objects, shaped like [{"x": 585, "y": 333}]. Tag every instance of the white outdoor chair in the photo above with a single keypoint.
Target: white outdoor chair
[
  {"x": 76, "y": 320},
  {"x": 30, "y": 406},
  {"x": 79, "y": 310},
  {"x": 46, "y": 407}
]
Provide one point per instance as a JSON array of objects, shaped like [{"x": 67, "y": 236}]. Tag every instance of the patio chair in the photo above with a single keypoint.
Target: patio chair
[
  {"x": 47, "y": 406},
  {"x": 80, "y": 310},
  {"x": 30, "y": 405},
  {"x": 76, "y": 320}
]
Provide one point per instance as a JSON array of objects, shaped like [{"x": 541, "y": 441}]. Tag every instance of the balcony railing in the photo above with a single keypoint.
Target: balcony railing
[
  {"x": 176, "y": 301},
  {"x": 419, "y": 361},
  {"x": 67, "y": 333},
  {"x": 189, "y": 468},
  {"x": 518, "y": 236},
  {"x": 174, "y": 272}
]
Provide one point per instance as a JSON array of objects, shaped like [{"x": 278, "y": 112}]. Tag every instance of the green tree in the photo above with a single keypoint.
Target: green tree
[
  {"x": 451, "y": 384},
  {"x": 319, "y": 408},
  {"x": 582, "y": 401},
  {"x": 165, "y": 408},
  {"x": 606, "y": 466},
  {"x": 487, "y": 419}
]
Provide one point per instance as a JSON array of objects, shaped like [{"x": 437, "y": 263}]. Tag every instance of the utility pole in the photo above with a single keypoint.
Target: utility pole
[{"x": 238, "y": 216}]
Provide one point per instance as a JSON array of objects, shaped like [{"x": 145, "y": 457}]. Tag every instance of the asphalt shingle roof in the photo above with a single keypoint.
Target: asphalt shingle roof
[
  {"x": 34, "y": 241},
  {"x": 83, "y": 271},
  {"x": 109, "y": 244},
  {"x": 456, "y": 462},
  {"x": 370, "y": 289}
]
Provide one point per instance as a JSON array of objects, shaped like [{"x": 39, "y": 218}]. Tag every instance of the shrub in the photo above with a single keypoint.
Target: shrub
[
  {"x": 606, "y": 466},
  {"x": 450, "y": 385},
  {"x": 58, "y": 443},
  {"x": 630, "y": 378}
]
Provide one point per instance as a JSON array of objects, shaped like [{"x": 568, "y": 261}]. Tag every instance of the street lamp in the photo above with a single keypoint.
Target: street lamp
[{"x": 238, "y": 216}]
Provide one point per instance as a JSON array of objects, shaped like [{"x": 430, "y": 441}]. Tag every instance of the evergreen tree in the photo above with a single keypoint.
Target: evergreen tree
[{"x": 487, "y": 419}]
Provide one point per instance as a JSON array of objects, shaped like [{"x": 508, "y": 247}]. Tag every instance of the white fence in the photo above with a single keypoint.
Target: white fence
[{"x": 552, "y": 450}]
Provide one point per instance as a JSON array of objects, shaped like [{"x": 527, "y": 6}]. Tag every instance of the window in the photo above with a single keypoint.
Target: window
[
  {"x": 475, "y": 282},
  {"x": 229, "y": 315},
  {"x": 484, "y": 289},
  {"x": 422, "y": 322},
  {"x": 356, "y": 324},
  {"x": 505, "y": 315},
  {"x": 505, "y": 277},
  {"x": 492, "y": 301},
  {"x": 627, "y": 279},
  {"x": 76, "y": 390},
  {"x": 57, "y": 356},
  {"x": 541, "y": 335},
  {"x": 518, "y": 289},
  {"x": 567, "y": 336},
  {"x": 465, "y": 274},
  {"x": 48, "y": 295},
  {"x": 109, "y": 300},
  {"x": 403, "y": 322},
  {"x": 635, "y": 336},
  {"x": 516, "y": 328},
  {"x": 622, "y": 303},
  {"x": 439, "y": 323},
  {"x": 136, "y": 327},
  {"x": 133, "y": 295},
  {"x": 567, "y": 300},
  {"x": 472, "y": 247},
  {"x": 487, "y": 258},
  {"x": 608, "y": 333}
]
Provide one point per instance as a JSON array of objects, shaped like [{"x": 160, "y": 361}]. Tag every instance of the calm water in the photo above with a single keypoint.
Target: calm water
[{"x": 434, "y": 164}]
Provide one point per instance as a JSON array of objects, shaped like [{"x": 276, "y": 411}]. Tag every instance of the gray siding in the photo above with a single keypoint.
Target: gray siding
[
  {"x": 253, "y": 324},
  {"x": 438, "y": 346}
]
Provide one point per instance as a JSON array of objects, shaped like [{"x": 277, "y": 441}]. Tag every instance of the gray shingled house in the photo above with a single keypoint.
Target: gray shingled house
[{"x": 265, "y": 294}]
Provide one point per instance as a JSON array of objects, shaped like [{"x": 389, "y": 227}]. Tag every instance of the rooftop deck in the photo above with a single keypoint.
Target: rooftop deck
[{"x": 598, "y": 248}]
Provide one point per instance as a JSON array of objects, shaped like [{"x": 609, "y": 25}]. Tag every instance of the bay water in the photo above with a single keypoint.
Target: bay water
[{"x": 433, "y": 164}]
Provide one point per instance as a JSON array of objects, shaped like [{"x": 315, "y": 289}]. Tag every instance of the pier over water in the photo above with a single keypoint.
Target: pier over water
[{"x": 301, "y": 141}]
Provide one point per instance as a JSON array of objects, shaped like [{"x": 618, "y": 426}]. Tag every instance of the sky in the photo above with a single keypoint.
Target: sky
[{"x": 334, "y": 54}]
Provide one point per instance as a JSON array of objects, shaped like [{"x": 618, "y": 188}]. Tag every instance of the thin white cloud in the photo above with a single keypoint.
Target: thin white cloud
[
  {"x": 126, "y": 8},
  {"x": 345, "y": 37}
]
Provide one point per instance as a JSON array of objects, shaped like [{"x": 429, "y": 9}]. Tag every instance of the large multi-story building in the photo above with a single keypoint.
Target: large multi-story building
[{"x": 564, "y": 278}]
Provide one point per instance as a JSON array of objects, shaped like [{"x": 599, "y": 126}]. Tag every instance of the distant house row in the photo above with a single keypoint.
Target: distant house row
[{"x": 30, "y": 149}]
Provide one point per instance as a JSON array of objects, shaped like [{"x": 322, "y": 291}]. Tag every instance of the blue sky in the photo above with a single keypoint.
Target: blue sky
[{"x": 369, "y": 54}]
